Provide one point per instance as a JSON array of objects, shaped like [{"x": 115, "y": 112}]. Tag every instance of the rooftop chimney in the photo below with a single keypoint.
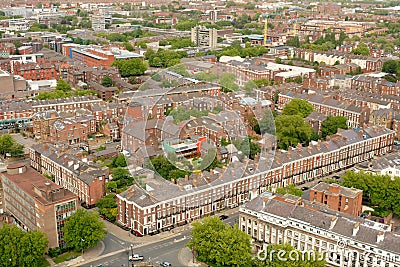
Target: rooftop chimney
[
  {"x": 380, "y": 237},
  {"x": 333, "y": 222},
  {"x": 356, "y": 228}
]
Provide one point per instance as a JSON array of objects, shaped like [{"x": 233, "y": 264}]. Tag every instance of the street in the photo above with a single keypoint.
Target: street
[{"x": 163, "y": 250}]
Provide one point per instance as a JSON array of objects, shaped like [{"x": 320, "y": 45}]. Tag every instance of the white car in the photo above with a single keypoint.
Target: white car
[{"x": 136, "y": 257}]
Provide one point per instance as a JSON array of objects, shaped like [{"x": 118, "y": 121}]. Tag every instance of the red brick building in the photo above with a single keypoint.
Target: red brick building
[
  {"x": 35, "y": 71},
  {"x": 87, "y": 182},
  {"x": 162, "y": 205},
  {"x": 71, "y": 131},
  {"x": 336, "y": 197},
  {"x": 37, "y": 203}
]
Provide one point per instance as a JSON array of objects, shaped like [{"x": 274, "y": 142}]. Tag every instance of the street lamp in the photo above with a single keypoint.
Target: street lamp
[
  {"x": 82, "y": 240},
  {"x": 132, "y": 253}
]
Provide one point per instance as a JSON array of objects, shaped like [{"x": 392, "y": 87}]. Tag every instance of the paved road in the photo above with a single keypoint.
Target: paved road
[{"x": 164, "y": 250}]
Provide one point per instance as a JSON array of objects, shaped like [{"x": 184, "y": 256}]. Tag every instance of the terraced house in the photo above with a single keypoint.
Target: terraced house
[
  {"x": 158, "y": 204},
  {"x": 344, "y": 239},
  {"x": 85, "y": 181}
]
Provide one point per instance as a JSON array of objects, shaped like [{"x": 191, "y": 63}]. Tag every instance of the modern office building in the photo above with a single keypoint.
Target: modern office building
[{"x": 37, "y": 203}]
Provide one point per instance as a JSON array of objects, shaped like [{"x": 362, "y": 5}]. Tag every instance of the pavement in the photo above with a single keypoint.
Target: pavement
[{"x": 179, "y": 236}]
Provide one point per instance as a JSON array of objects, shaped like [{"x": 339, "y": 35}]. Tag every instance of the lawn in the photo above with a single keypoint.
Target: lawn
[{"x": 66, "y": 256}]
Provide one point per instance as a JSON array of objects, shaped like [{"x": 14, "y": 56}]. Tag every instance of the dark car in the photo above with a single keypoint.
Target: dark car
[
  {"x": 223, "y": 217},
  {"x": 304, "y": 188},
  {"x": 165, "y": 264},
  {"x": 337, "y": 177}
]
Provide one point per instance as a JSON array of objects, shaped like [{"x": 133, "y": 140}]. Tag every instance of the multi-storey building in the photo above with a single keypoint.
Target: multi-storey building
[
  {"x": 71, "y": 131},
  {"x": 65, "y": 104},
  {"x": 344, "y": 240},
  {"x": 85, "y": 181},
  {"x": 336, "y": 197},
  {"x": 36, "y": 203},
  {"x": 150, "y": 209},
  {"x": 15, "y": 112},
  {"x": 98, "y": 22},
  {"x": 356, "y": 115},
  {"x": 248, "y": 70},
  {"x": 204, "y": 37},
  {"x": 36, "y": 71}
]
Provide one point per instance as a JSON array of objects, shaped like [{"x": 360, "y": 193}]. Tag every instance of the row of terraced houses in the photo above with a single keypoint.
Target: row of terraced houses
[{"x": 150, "y": 209}]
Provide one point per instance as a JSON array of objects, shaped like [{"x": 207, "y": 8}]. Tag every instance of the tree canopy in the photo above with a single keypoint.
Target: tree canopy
[
  {"x": 9, "y": 145},
  {"x": 378, "y": 190},
  {"x": 107, "y": 81},
  {"x": 332, "y": 124},
  {"x": 83, "y": 230},
  {"x": 227, "y": 82},
  {"x": 391, "y": 66},
  {"x": 165, "y": 168},
  {"x": 299, "y": 107},
  {"x": 62, "y": 85},
  {"x": 108, "y": 207},
  {"x": 290, "y": 189},
  {"x": 181, "y": 114},
  {"x": 292, "y": 130},
  {"x": 218, "y": 244},
  {"x": 130, "y": 67},
  {"x": 22, "y": 248},
  {"x": 362, "y": 49}
]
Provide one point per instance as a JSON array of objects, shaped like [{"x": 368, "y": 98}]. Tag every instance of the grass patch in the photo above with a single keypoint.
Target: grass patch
[
  {"x": 66, "y": 256},
  {"x": 44, "y": 263}
]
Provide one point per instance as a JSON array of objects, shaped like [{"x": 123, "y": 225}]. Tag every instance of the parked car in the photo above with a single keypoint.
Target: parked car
[
  {"x": 304, "y": 188},
  {"x": 223, "y": 217},
  {"x": 165, "y": 264},
  {"x": 136, "y": 257}
]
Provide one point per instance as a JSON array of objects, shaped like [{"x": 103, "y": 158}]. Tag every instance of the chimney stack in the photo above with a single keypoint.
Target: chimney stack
[
  {"x": 356, "y": 228},
  {"x": 380, "y": 237},
  {"x": 333, "y": 222}
]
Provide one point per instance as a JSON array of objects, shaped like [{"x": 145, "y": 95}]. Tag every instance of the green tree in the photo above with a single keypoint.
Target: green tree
[
  {"x": 249, "y": 148},
  {"x": 391, "y": 66},
  {"x": 22, "y": 248},
  {"x": 332, "y": 124},
  {"x": 362, "y": 49},
  {"x": 130, "y": 67},
  {"x": 63, "y": 86},
  {"x": 299, "y": 107},
  {"x": 293, "y": 41},
  {"x": 9, "y": 145},
  {"x": 83, "y": 230},
  {"x": 292, "y": 130},
  {"x": 122, "y": 177},
  {"x": 128, "y": 46},
  {"x": 107, "y": 81},
  {"x": 165, "y": 168},
  {"x": 108, "y": 207},
  {"x": 227, "y": 82},
  {"x": 33, "y": 246},
  {"x": 119, "y": 161},
  {"x": 378, "y": 190},
  {"x": 267, "y": 123},
  {"x": 233, "y": 246},
  {"x": 271, "y": 257},
  {"x": 290, "y": 189}
]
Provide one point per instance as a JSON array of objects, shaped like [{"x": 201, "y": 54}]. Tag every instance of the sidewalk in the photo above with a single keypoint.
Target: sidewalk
[{"x": 185, "y": 255}]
